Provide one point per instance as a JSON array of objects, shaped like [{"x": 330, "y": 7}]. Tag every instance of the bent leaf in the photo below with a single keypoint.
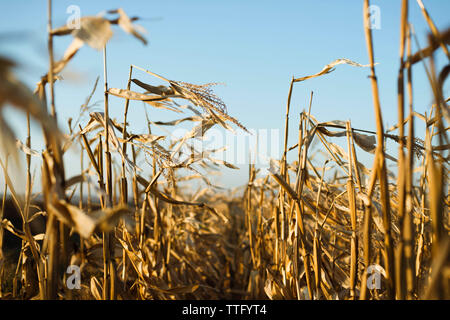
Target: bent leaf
[{"x": 330, "y": 68}]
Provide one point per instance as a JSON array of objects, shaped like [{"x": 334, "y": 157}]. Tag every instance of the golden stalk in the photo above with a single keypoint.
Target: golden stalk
[{"x": 381, "y": 164}]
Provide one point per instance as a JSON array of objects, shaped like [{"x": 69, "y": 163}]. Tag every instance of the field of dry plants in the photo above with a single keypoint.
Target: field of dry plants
[{"x": 296, "y": 233}]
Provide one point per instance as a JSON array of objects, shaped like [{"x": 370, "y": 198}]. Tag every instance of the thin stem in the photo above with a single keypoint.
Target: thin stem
[
  {"x": 52, "y": 229},
  {"x": 408, "y": 227},
  {"x": 50, "y": 56},
  {"x": 401, "y": 156},
  {"x": 108, "y": 245},
  {"x": 381, "y": 165}
]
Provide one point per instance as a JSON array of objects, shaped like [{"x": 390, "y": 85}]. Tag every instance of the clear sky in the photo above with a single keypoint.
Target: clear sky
[{"x": 255, "y": 47}]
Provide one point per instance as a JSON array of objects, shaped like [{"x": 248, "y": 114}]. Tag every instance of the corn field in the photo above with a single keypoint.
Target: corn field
[{"x": 297, "y": 232}]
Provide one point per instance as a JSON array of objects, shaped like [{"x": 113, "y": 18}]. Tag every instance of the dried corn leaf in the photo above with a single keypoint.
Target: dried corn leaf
[
  {"x": 70, "y": 52},
  {"x": 330, "y": 68},
  {"x": 132, "y": 95},
  {"x": 365, "y": 142},
  {"x": 126, "y": 24},
  {"x": 6, "y": 224},
  {"x": 58, "y": 66},
  {"x": 14, "y": 92},
  {"x": 144, "y": 138},
  {"x": 73, "y": 217},
  {"x": 165, "y": 104},
  {"x": 175, "y": 122},
  {"x": 156, "y": 101},
  {"x": 96, "y": 288},
  {"x": 336, "y": 123},
  {"x": 108, "y": 218},
  {"x": 74, "y": 180},
  {"x": 338, "y": 150},
  {"x": 85, "y": 224},
  {"x": 269, "y": 290},
  {"x": 226, "y": 164},
  {"x": 167, "y": 198},
  {"x": 25, "y": 149},
  {"x": 159, "y": 90},
  {"x": 39, "y": 237},
  {"x": 94, "y": 31},
  {"x": 36, "y": 215}
]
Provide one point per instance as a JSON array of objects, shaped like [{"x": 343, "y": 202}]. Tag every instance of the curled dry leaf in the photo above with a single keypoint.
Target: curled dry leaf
[
  {"x": 70, "y": 52},
  {"x": 58, "y": 66},
  {"x": 5, "y": 223},
  {"x": 73, "y": 217},
  {"x": 175, "y": 122},
  {"x": 226, "y": 164},
  {"x": 160, "y": 90},
  {"x": 330, "y": 68},
  {"x": 17, "y": 94},
  {"x": 83, "y": 223},
  {"x": 25, "y": 149},
  {"x": 94, "y": 31},
  {"x": 365, "y": 142},
  {"x": 146, "y": 139},
  {"x": 126, "y": 24},
  {"x": 132, "y": 95},
  {"x": 96, "y": 288},
  {"x": 153, "y": 100}
]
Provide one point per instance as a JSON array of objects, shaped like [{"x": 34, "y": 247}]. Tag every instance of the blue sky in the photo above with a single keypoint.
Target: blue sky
[{"x": 255, "y": 47}]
